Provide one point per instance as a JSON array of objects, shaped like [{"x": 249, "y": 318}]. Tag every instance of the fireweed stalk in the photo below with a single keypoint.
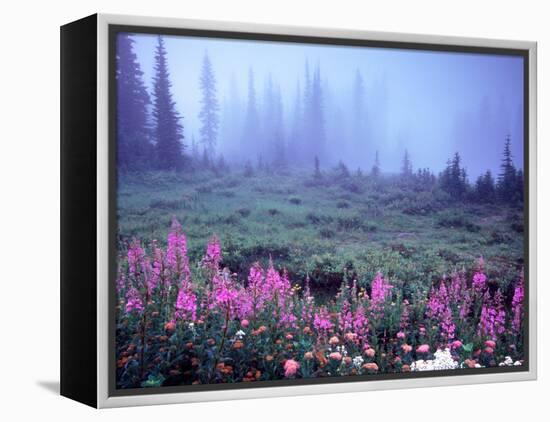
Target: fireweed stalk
[{"x": 180, "y": 326}]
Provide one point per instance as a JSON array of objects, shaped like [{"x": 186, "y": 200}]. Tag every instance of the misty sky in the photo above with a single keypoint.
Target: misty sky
[{"x": 431, "y": 103}]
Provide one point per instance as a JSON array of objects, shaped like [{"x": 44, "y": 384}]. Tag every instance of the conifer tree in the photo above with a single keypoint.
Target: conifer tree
[
  {"x": 296, "y": 126},
  {"x": 485, "y": 187},
  {"x": 251, "y": 131},
  {"x": 168, "y": 131},
  {"x": 133, "y": 132},
  {"x": 507, "y": 183},
  {"x": 210, "y": 107},
  {"x": 406, "y": 167},
  {"x": 375, "y": 172},
  {"x": 358, "y": 105}
]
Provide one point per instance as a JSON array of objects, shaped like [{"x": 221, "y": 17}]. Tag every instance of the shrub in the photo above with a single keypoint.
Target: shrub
[
  {"x": 317, "y": 219},
  {"x": 326, "y": 233},
  {"x": 166, "y": 204},
  {"x": 457, "y": 221},
  {"x": 244, "y": 212},
  {"x": 342, "y": 204},
  {"x": 352, "y": 222}
]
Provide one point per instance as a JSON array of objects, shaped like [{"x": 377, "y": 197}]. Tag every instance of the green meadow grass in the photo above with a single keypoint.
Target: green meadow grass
[{"x": 332, "y": 229}]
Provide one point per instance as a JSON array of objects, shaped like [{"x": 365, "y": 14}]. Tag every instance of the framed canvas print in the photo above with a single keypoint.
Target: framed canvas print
[{"x": 252, "y": 210}]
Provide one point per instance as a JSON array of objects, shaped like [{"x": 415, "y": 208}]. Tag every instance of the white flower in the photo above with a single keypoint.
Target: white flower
[
  {"x": 342, "y": 349},
  {"x": 517, "y": 363},
  {"x": 240, "y": 334},
  {"x": 443, "y": 360},
  {"x": 358, "y": 361},
  {"x": 507, "y": 361}
]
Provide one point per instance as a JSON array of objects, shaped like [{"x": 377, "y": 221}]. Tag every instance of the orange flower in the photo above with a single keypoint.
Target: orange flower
[
  {"x": 238, "y": 345},
  {"x": 321, "y": 358},
  {"x": 334, "y": 341},
  {"x": 308, "y": 355},
  {"x": 122, "y": 362},
  {"x": 470, "y": 363},
  {"x": 371, "y": 366},
  {"x": 170, "y": 326}
]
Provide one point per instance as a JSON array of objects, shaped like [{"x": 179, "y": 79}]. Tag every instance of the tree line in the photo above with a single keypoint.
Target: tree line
[
  {"x": 150, "y": 130},
  {"x": 155, "y": 140},
  {"x": 508, "y": 187}
]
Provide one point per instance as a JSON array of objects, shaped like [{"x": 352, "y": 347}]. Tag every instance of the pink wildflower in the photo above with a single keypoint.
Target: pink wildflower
[
  {"x": 456, "y": 344},
  {"x": 321, "y": 320},
  {"x": 176, "y": 252},
  {"x": 423, "y": 348},
  {"x": 335, "y": 356},
  {"x": 517, "y": 306},
  {"x": 479, "y": 281},
  {"x": 186, "y": 304},
  {"x": 291, "y": 367},
  {"x": 133, "y": 301}
]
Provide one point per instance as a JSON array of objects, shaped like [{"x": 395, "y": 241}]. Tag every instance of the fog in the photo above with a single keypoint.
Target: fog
[{"x": 371, "y": 99}]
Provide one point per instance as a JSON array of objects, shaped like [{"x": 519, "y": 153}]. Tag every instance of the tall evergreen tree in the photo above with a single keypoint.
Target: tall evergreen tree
[
  {"x": 406, "y": 166},
  {"x": 231, "y": 122},
  {"x": 375, "y": 172},
  {"x": 519, "y": 185},
  {"x": 359, "y": 112},
  {"x": 168, "y": 131},
  {"x": 453, "y": 179},
  {"x": 209, "y": 111},
  {"x": 133, "y": 132},
  {"x": 314, "y": 121},
  {"x": 251, "y": 131},
  {"x": 278, "y": 137},
  {"x": 507, "y": 183},
  {"x": 296, "y": 125},
  {"x": 485, "y": 187}
]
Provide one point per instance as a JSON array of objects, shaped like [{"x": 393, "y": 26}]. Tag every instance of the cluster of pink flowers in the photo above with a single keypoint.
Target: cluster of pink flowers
[
  {"x": 186, "y": 303},
  {"x": 492, "y": 322},
  {"x": 439, "y": 309},
  {"x": 291, "y": 367},
  {"x": 381, "y": 329},
  {"x": 322, "y": 320},
  {"x": 517, "y": 306}
]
